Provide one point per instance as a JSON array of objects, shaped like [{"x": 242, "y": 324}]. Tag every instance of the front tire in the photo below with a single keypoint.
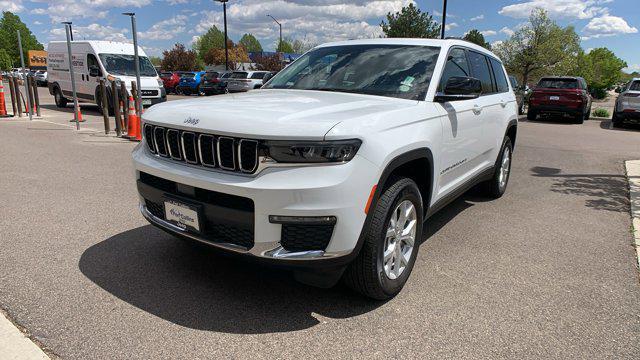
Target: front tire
[
  {"x": 531, "y": 115},
  {"x": 61, "y": 101},
  {"x": 391, "y": 242},
  {"x": 497, "y": 186}
]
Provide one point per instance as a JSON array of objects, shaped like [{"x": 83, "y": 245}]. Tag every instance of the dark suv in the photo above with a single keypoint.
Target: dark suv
[{"x": 561, "y": 95}]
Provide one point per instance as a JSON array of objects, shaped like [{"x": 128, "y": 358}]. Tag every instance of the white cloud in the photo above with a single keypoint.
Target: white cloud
[
  {"x": 505, "y": 30},
  {"x": 496, "y": 43},
  {"x": 37, "y": 22},
  {"x": 607, "y": 25},
  {"x": 568, "y": 9},
  {"x": 165, "y": 29},
  {"x": 632, "y": 68},
  {"x": 450, "y": 26},
  {"x": 488, "y": 33},
  {"x": 92, "y": 32},
  {"x": 176, "y": 2},
  {"x": 11, "y": 5},
  {"x": 63, "y": 10},
  {"x": 476, "y": 18}
]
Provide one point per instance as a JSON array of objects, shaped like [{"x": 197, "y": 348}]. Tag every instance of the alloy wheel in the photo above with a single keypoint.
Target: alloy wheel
[{"x": 400, "y": 239}]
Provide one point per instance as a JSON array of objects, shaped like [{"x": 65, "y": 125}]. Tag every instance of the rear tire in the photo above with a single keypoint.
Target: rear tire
[
  {"x": 61, "y": 101},
  {"x": 388, "y": 253},
  {"x": 578, "y": 119},
  {"x": 531, "y": 115},
  {"x": 616, "y": 121}
]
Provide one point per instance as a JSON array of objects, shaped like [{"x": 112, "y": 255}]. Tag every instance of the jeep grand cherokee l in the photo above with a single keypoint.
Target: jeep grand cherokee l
[
  {"x": 561, "y": 96},
  {"x": 335, "y": 164}
]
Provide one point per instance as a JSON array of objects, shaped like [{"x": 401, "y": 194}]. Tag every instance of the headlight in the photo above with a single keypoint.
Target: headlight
[
  {"x": 312, "y": 151},
  {"x": 160, "y": 83}
]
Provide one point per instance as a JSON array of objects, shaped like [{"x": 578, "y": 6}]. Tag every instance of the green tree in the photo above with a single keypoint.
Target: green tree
[
  {"x": 180, "y": 59},
  {"x": 301, "y": 46},
  {"x": 606, "y": 69},
  {"x": 250, "y": 43},
  {"x": 476, "y": 37},
  {"x": 9, "y": 25},
  {"x": 539, "y": 48},
  {"x": 410, "y": 22},
  {"x": 212, "y": 39},
  {"x": 284, "y": 47},
  {"x": 5, "y": 60},
  {"x": 155, "y": 60}
]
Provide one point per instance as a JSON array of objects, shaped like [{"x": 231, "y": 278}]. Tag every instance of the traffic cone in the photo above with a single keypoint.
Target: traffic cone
[
  {"x": 79, "y": 112},
  {"x": 3, "y": 105},
  {"x": 133, "y": 122}
]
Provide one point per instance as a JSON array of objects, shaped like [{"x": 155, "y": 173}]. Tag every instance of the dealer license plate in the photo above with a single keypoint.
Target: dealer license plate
[
  {"x": 183, "y": 215},
  {"x": 554, "y": 97},
  {"x": 146, "y": 101}
]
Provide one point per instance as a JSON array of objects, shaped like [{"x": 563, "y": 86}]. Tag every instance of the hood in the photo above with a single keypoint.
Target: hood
[
  {"x": 270, "y": 113},
  {"x": 146, "y": 82}
]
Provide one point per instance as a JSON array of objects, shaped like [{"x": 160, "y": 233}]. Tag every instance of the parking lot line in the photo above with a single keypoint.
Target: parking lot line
[{"x": 14, "y": 345}]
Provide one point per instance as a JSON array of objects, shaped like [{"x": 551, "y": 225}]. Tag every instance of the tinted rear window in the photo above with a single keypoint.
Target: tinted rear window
[
  {"x": 635, "y": 86},
  {"x": 188, "y": 75},
  {"x": 258, "y": 75},
  {"x": 239, "y": 75},
  {"x": 559, "y": 83},
  {"x": 481, "y": 71},
  {"x": 498, "y": 73}
]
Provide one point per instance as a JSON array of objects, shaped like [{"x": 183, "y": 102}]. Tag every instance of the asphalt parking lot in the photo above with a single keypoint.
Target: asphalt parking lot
[{"x": 547, "y": 271}]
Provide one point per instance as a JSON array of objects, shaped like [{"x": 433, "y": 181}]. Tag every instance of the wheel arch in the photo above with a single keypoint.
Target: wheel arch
[{"x": 512, "y": 132}]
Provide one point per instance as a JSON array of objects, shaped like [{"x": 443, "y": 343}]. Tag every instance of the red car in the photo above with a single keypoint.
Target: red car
[
  {"x": 170, "y": 81},
  {"x": 562, "y": 96}
]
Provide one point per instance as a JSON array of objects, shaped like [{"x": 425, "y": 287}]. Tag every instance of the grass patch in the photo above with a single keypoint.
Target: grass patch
[{"x": 603, "y": 113}]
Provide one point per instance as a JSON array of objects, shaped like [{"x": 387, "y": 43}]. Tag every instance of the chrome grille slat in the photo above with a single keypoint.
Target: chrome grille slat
[
  {"x": 189, "y": 147},
  {"x": 206, "y": 145},
  {"x": 173, "y": 144},
  {"x": 207, "y": 150}
]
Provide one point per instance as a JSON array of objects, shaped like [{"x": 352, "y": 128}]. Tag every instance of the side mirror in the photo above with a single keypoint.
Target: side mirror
[
  {"x": 460, "y": 88},
  {"x": 94, "y": 71},
  {"x": 618, "y": 90}
]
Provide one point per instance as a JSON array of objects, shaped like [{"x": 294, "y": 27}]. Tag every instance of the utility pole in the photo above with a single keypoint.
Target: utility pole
[
  {"x": 226, "y": 38},
  {"x": 67, "y": 27},
  {"x": 280, "y": 25},
  {"x": 136, "y": 60},
  {"x": 444, "y": 18},
  {"x": 70, "y": 29}
]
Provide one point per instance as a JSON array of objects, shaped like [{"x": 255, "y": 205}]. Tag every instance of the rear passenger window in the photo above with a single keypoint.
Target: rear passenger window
[
  {"x": 456, "y": 66},
  {"x": 257, "y": 75},
  {"x": 480, "y": 70},
  {"x": 498, "y": 73}
]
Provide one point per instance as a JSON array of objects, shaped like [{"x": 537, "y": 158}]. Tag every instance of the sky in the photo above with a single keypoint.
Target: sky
[{"x": 162, "y": 23}]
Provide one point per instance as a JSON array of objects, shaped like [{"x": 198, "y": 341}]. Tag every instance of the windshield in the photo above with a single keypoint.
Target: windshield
[
  {"x": 558, "y": 83},
  {"x": 635, "y": 86},
  {"x": 121, "y": 64},
  {"x": 239, "y": 75},
  {"x": 401, "y": 71}
]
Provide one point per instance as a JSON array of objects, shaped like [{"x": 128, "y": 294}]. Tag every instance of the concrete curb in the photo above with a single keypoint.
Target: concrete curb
[
  {"x": 14, "y": 345},
  {"x": 633, "y": 175}
]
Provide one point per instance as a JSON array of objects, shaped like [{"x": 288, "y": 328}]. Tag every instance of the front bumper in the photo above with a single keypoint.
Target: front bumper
[{"x": 332, "y": 190}]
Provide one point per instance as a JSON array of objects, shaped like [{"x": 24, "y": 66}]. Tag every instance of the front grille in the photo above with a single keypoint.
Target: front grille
[
  {"x": 149, "y": 92},
  {"x": 305, "y": 237},
  {"x": 223, "y": 152},
  {"x": 156, "y": 209}
]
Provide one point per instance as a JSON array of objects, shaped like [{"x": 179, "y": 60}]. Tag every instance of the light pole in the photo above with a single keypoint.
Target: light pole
[
  {"x": 280, "y": 25},
  {"x": 26, "y": 78},
  {"x": 444, "y": 18},
  {"x": 67, "y": 27},
  {"x": 226, "y": 38},
  {"x": 137, "y": 61}
]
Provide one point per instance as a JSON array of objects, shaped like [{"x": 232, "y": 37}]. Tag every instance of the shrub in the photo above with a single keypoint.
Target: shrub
[{"x": 604, "y": 113}]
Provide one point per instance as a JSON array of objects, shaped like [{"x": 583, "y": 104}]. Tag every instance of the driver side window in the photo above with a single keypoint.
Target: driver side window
[
  {"x": 456, "y": 65},
  {"x": 93, "y": 61}
]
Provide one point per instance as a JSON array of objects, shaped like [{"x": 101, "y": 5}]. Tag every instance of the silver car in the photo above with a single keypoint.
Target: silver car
[
  {"x": 246, "y": 80},
  {"x": 627, "y": 104}
]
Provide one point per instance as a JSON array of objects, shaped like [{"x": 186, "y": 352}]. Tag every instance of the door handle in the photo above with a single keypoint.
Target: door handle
[
  {"x": 503, "y": 103},
  {"x": 477, "y": 109}
]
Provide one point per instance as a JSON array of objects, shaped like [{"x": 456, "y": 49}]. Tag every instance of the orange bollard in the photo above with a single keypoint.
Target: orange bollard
[
  {"x": 80, "y": 119},
  {"x": 133, "y": 122},
  {"x": 3, "y": 105}
]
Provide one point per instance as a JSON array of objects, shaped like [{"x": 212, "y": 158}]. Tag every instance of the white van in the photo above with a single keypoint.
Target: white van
[{"x": 95, "y": 60}]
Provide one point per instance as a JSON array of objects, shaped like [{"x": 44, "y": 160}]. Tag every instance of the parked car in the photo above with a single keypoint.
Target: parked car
[
  {"x": 563, "y": 95},
  {"x": 100, "y": 60},
  {"x": 520, "y": 92},
  {"x": 246, "y": 80},
  {"x": 627, "y": 107},
  {"x": 214, "y": 82},
  {"x": 190, "y": 82},
  {"x": 170, "y": 81},
  {"x": 332, "y": 168},
  {"x": 41, "y": 77}
]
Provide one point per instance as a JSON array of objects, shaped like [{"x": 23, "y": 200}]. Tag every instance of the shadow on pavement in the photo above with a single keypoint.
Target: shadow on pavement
[
  {"x": 604, "y": 191},
  {"x": 90, "y": 109},
  {"x": 606, "y": 124},
  {"x": 195, "y": 287}
]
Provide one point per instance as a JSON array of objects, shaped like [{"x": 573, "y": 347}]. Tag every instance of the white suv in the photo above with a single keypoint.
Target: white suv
[{"x": 333, "y": 167}]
